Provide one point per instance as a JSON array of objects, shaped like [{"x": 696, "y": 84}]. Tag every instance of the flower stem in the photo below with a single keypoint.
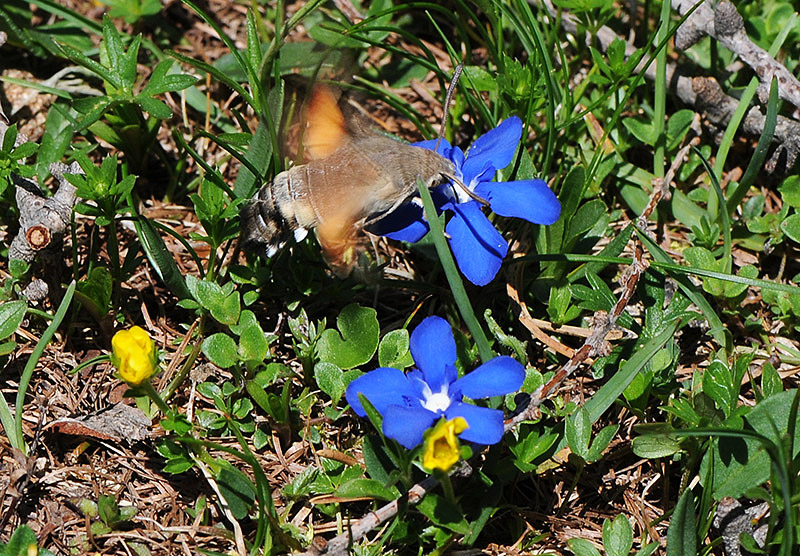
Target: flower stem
[
  {"x": 148, "y": 389},
  {"x": 447, "y": 485},
  {"x": 453, "y": 276}
]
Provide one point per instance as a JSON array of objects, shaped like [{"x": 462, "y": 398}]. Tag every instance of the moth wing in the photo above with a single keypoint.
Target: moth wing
[
  {"x": 326, "y": 130},
  {"x": 342, "y": 198}
]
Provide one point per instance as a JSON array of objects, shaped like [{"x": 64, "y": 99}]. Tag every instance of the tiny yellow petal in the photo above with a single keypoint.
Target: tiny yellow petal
[{"x": 442, "y": 448}]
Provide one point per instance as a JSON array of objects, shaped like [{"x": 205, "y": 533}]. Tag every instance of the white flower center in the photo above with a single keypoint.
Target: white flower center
[
  {"x": 458, "y": 192},
  {"x": 437, "y": 402}
]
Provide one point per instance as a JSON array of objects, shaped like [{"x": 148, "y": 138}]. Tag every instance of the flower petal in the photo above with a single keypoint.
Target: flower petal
[
  {"x": 408, "y": 222},
  {"x": 478, "y": 247},
  {"x": 497, "y": 377},
  {"x": 528, "y": 199},
  {"x": 492, "y": 151},
  {"x": 382, "y": 387},
  {"x": 485, "y": 425},
  {"x": 407, "y": 424},
  {"x": 434, "y": 349},
  {"x": 430, "y": 144},
  {"x": 405, "y": 223}
]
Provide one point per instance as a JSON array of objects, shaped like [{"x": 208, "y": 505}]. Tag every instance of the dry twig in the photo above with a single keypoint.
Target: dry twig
[{"x": 724, "y": 23}]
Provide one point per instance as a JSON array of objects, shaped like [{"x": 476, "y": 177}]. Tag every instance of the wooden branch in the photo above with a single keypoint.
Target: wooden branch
[{"x": 724, "y": 23}]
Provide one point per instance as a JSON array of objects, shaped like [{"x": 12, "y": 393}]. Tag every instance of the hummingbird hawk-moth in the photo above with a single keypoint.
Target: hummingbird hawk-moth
[{"x": 354, "y": 175}]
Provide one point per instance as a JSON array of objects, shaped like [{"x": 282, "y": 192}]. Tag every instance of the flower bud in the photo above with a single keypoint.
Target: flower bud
[{"x": 134, "y": 355}]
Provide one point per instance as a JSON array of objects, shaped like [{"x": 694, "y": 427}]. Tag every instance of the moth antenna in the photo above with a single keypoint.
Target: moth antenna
[
  {"x": 467, "y": 190},
  {"x": 445, "y": 109}
]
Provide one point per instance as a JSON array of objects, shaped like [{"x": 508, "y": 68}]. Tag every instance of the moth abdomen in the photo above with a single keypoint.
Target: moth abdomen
[{"x": 267, "y": 221}]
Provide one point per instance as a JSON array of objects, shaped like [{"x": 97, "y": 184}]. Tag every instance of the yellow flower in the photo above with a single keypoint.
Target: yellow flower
[
  {"x": 441, "y": 444},
  {"x": 134, "y": 355}
]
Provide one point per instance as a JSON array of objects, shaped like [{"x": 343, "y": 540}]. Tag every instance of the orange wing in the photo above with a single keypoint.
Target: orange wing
[{"x": 325, "y": 127}]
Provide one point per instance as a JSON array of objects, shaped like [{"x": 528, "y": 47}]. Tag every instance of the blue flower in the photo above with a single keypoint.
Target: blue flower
[
  {"x": 478, "y": 247},
  {"x": 411, "y": 403}
]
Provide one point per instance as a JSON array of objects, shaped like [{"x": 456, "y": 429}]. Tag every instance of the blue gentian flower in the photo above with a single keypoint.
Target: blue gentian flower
[
  {"x": 478, "y": 247},
  {"x": 411, "y": 402}
]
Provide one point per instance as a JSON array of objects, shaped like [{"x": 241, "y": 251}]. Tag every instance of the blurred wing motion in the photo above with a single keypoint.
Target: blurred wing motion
[
  {"x": 325, "y": 125},
  {"x": 353, "y": 174}
]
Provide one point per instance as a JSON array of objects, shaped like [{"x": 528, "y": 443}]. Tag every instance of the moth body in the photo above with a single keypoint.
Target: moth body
[{"x": 362, "y": 175}]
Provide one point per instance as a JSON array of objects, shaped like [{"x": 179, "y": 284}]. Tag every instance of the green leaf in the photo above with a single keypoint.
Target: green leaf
[
  {"x": 236, "y": 488},
  {"x": 379, "y": 463},
  {"x": 19, "y": 542},
  {"x": 97, "y": 287},
  {"x": 253, "y": 344},
  {"x": 682, "y": 532},
  {"x": 393, "y": 350},
  {"x": 643, "y": 131},
  {"x": 11, "y": 315},
  {"x": 7, "y": 347},
  {"x": 330, "y": 380},
  {"x": 479, "y": 79},
  {"x": 365, "y": 488},
  {"x": 578, "y": 429},
  {"x": 221, "y": 350},
  {"x": 302, "y": 484},
  {"x": 585, "y": 219},
  {"x": 655, "y": 440},
  {"x": 648, "y": 549},
  {"x": 791, "y": 227},
  {"x": 790, "y": 191},
  {"x": 610, "y": 391},
  {"x": 443, "y": 513},
  {"x": 742, "y": 463},
  {"x": 356, "y": 341},
  {"x": 160, "y": 257},
  {"x": 617, "y": 536},
  {"x": 154, "y": 107},
  {"x": 771, "y": 382},
  {"x": 582, "y": 547},
  {"x": 601, "y": 441},
  {"x": 530, "y": 447},
  {"x": 718, "y": 385},
  {"x": 224, "y": 307},
  {"x": 677, "y": 127},
  {"x": 108, "y": 509}
]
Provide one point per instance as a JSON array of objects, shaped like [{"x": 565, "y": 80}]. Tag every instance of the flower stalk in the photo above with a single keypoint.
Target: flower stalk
[{"x": 453, "y": 277}]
